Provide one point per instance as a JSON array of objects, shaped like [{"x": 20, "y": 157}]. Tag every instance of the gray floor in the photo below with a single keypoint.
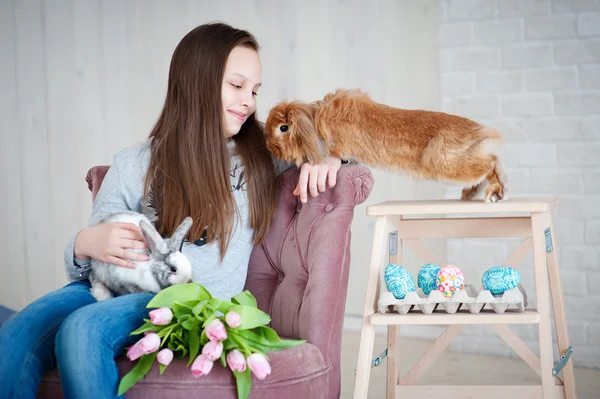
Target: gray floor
[{"x": 453, "y": 368}]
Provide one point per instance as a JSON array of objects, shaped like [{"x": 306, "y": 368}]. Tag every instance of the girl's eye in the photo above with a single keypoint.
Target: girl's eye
[{"x": 239, "y": 87}]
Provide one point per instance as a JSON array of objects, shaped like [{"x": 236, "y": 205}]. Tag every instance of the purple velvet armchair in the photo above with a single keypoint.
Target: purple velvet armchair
[{"x": 299, "y": 275}]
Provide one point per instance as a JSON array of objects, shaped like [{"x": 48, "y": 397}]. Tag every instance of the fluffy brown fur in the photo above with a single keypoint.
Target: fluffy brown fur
[{"x": 430, "y": 145}]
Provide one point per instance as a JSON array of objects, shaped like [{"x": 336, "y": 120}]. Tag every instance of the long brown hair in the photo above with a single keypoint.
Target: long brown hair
[{"x": 190, "y": 162}]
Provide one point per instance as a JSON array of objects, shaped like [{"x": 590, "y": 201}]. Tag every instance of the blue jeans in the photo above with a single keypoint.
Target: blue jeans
[
  {"x": 5, "y": 314},
  {"x": 69, "y": 329}
]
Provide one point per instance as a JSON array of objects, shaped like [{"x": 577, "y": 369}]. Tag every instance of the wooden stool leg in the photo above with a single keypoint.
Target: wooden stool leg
[
  {"x": 393, "y": 359},
  {"x": 367, "y": 336},
  {"x": 538, "y": 226},
  {"x": 560, "y": 316},
  {"x": 363, "y": 368}
]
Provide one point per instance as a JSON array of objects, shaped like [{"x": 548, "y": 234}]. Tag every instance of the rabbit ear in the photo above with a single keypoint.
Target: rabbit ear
[
  {"x": 306, "y": 137},
  {"x": 180, "y": 233},
  {"x": 153, "y": 239}
]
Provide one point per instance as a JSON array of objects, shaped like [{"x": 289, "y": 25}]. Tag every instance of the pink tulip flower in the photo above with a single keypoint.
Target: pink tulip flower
[
  {"x": 213, "y": 349},
  {"x": 215, "y": 331},
  {"x": 236, "y": 361},
  {"x": 259, "y": 365},
  {"x": 165, "y": 356},
  {"x": 135, "y": 351},
  {"x": 161, "y": 316},
  {"x": 233, "y": 319},
  {"x": 150, "y": 343},
  {"x": 201, "y": 366}
]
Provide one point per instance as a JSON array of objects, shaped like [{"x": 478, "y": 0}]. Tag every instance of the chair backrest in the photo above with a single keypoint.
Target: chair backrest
[
  {"x": 94, "y": 179},
  {"x": 299, "y": 275}
]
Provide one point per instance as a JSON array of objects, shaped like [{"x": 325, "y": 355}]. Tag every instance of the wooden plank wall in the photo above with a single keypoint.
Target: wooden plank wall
[{"x": 81, "y": 79}]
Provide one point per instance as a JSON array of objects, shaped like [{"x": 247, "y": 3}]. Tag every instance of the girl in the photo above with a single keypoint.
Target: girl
[{"x": 206, "y": 157}]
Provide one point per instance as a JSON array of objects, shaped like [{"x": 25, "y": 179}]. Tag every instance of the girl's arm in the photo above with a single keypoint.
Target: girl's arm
[
  {"x": 104, "y": 242},
  {"x": 313, "y": 178}
]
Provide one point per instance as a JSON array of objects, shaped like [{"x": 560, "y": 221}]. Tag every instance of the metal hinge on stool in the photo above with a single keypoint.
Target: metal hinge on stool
[
  {"x": 393, "y": 243},
  {"x": 563, "y": 361},
  {"x": 548, "y": 235},
  {"x": 380, "y": 358}
]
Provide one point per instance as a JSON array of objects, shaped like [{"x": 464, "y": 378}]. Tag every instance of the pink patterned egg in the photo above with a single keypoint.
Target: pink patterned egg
[{"x": 449, "y": 280}]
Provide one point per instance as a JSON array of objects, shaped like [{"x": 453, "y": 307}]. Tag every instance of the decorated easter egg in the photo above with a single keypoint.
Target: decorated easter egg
[
  {"x": 398, "y": 280},
  {"x": 500, "y": 278},
  {"x": 449, "y": 280},
  {"x": 427, "y": 277}
]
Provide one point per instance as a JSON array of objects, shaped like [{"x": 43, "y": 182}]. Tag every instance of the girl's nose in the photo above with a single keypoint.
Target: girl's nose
[{"x": 247, "y": 99}]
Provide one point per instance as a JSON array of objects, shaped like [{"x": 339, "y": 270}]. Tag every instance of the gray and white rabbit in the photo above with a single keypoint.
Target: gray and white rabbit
[{"x": 166, "y": 265}]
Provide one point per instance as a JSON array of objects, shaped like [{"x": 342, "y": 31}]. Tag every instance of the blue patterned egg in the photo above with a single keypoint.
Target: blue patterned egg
[
  {"x": 398, "y": 280},
  {"x": 500, "y": 278},
  {"x": 427, "y": 276}
]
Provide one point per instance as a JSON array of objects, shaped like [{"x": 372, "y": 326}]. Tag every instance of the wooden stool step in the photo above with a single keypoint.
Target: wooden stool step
[
  {"x": 433, "y": 207},
  {"x": 406, "y": 223}
]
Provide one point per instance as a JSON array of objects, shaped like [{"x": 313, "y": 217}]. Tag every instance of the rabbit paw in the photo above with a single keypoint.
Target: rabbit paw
[
  {"x": 493, "y": 198},
  {"x": 493, "y": 194},
  {"x": 469, "y": 193},
  {"x": 100, "y": 292}
]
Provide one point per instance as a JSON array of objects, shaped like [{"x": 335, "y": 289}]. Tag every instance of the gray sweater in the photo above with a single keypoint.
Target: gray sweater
[{"x": 122, "y": 190}]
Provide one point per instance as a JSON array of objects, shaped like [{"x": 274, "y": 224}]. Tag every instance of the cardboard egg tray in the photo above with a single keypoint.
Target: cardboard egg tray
[{"x": 470, "y": 297}]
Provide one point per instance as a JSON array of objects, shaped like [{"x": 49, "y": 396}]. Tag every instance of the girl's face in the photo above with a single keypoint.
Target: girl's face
[{"x": 241, "y": 81}]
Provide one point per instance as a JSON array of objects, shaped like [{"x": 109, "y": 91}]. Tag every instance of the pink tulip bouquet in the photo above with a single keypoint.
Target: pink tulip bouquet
[{"x": 188, "y": 322}]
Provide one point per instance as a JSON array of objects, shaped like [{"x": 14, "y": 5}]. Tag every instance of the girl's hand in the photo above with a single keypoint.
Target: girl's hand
[
  {"x": 314, "y": 178},
  {"x": 109, "y": 243}
]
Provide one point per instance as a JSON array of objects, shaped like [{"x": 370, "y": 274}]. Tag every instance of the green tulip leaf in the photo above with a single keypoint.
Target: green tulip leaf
[
  {"x": 228, "y": 344},
  {"x": 180, "y": 310},
  {"x": 194, "y": 345},
  {"x": 223, "y": 359},
  {"x": 148, "y": 326},
  {"x": 190, "y": 324},
  {"x": 197, "y": 310},
  {"x": 244, "y": 383},
  {"x": 251, "y": 317},
  {"x": 244, "y": 298},
  {"x": 221, "y": 306},
  {"x": 142, "y": 368},
  {"x": 259, "y": 340},
  {"x": 179, "y": 292}
]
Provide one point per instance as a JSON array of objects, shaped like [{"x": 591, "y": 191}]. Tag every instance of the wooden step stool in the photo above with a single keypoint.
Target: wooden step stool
[{"x": 499, "y": 221}]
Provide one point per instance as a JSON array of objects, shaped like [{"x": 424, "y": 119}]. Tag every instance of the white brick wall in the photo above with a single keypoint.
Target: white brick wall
[{"x": 531, "y": 68}]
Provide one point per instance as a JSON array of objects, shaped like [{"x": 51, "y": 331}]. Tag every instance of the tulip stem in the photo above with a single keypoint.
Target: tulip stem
[
  {"x": 237, "y": 340},
  {"x": 166, "y": 336}
]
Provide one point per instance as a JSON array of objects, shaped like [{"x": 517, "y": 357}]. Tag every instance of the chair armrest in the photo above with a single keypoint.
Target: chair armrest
[{"x": 299, "y": 275}]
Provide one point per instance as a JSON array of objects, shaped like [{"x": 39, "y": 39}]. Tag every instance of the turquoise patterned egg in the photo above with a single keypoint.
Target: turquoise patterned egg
[
  {"x": 500, "y": 278},
  {"x": 427, "y": 276},
  {"x": 398, "y": 280}
]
